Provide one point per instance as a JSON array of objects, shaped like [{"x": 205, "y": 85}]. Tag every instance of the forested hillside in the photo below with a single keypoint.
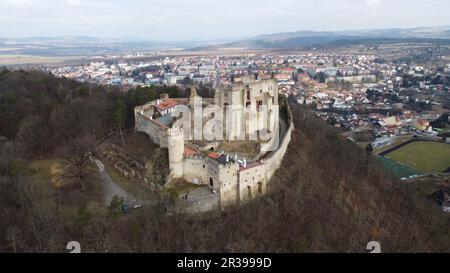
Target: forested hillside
[{"x": 328, "y": 196}]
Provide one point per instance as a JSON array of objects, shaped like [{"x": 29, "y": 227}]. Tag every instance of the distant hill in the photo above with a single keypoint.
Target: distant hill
[
  {"x": 91, "y": 46},
  {"x": 87, "y": 46},
  {"x": 302, "y": 39}
]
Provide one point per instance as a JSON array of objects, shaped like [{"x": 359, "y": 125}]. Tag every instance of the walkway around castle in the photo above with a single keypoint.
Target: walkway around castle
[{"x": 112, "y": 188}]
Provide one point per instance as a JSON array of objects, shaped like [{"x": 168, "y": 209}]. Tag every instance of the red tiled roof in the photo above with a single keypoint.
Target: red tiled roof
[
  {"x": 166, "y": 104},
  {"x": 283, "y": 76},
  {"x": 189, "y": 152},
  {"x": 264, "y": 77},
  {"x": 214, "y": 155}
]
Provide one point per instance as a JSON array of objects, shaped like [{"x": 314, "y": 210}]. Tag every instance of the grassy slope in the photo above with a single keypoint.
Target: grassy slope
[{"x": 46, "y": 172}]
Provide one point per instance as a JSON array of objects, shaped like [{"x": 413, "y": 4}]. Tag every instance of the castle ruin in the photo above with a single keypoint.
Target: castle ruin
[{"x": 240, "y": 112}]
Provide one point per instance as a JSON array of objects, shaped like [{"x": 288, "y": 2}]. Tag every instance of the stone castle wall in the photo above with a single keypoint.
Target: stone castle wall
[
  {"x": 237, "y": 184},
  {"x": 156, "y": 132},
  {"x": 273, "y": 161},
  {"x": 253, "y": 181}
]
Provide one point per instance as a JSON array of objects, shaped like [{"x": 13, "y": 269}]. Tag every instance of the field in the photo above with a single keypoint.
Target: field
[
  {"x": 423, "y": 156},
  {"x": 21, "y": 59},
  {"x": 44, "y": 173},
  {"x": 398, "y": 169}
]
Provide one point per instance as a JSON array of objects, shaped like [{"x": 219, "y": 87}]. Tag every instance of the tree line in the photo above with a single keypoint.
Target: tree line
[{"x": 41, "y": 112}]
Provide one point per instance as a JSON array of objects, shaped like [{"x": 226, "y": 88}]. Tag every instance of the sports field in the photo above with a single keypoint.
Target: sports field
[
  {"x": 423, "y": 156},
  {"x": 398, "y": 169}
]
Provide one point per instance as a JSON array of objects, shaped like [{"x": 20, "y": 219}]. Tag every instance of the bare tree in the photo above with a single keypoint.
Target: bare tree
[
  {"x": 41, "y": 213},
  {"x": 14, "y": 237},
  {"x": 32, "y": 135},
  {"x": 75, "y": 158}
]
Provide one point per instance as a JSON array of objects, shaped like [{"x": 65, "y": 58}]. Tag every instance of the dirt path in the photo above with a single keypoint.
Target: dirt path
[{"x": 111, "y": 188}]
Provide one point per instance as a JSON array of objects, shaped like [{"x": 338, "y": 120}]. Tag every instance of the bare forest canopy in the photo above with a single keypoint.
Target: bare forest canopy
[
  {"x": 328, "y": 196},
  {"x": 41, "y": 112}
]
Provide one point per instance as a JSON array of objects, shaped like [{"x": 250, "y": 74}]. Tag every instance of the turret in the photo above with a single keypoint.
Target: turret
[
  {"x": 193, "y": 98},
  {"x": 175, "y": 141},
  {"x": 195, "y": 105}
]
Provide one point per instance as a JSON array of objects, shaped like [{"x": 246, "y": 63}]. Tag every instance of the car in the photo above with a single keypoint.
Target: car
[
  {"x": 125, "y": 208},
  {"x": 133, "y": 204}
]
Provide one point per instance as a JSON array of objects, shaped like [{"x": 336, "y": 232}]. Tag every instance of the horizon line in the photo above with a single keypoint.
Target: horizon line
[{"x": 142, "y": 39}]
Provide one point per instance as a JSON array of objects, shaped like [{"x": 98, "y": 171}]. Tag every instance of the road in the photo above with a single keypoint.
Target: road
[{"x": 111, "y": 188}]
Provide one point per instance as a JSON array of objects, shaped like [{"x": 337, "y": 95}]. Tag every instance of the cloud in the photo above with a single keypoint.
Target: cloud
[
  {"x": 73, "y": 3},
  {"x": 206, "y": 19},
  {"x": 373, "y": 2},
  {"x": 20, "y": 3}
]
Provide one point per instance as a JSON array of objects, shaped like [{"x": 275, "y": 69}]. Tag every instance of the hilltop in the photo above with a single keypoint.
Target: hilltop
[
  {"x": 329, "y": 195},
  {"x": 310, "y": 39}
]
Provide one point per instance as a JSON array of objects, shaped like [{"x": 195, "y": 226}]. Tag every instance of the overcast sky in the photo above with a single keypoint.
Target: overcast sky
[{"x": 172, "y": 20}]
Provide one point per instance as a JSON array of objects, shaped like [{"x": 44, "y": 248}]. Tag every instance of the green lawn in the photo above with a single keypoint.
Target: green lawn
[
  {"x": 424, "y": 156},
  {"x": 45, "y": 172},
  {"x": 398, "y": 169}
]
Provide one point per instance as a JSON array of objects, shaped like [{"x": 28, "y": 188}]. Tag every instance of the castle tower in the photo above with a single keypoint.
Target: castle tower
[
  {"x": 193, "y": 97},
  {"x": 175, "y": 141},
  {"x": 195, "y": 104},
  {"x": 195, "y": 101}
]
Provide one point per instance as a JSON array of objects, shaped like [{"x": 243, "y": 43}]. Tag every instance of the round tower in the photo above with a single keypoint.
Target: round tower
[{"x": 175, "y": 141}]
